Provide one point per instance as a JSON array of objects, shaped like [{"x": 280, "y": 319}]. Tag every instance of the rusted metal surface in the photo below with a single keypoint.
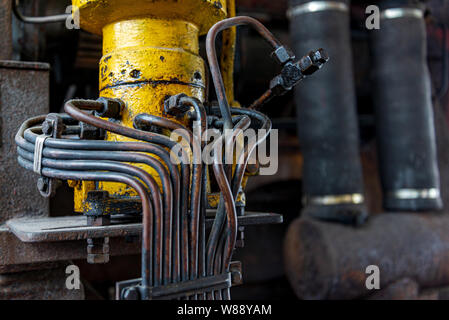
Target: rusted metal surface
[
  {"x": 35, "y": 285},
  {"x": 15, "y": 253},
  {"x": 75, "y": 228},
  {"x": 329, "y": 261},
  {"x": 23, "y": 93},
  {"x": 128, "y": 290},
  {"x": 5, "y": 29}
]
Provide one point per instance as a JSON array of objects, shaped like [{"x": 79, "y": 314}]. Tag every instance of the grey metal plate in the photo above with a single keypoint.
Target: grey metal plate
[{"x": 48, "y": 229}]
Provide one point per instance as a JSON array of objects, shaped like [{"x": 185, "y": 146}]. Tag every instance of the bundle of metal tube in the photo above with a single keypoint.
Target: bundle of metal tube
[
  {"x": 170, "y": 236},
  {"x": 327, "y": 118},
  {"x": 403, "y": 105}
]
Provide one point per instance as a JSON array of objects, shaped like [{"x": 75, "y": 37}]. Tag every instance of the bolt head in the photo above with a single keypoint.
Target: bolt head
[
  {"x": 47, "y": 127},
  {"x": 283, "y": 55},
  {"x": 320, "y": 56},
  {"x": 93, "y": 258}
]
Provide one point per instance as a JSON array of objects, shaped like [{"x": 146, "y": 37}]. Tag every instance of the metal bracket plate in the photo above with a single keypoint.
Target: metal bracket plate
[{"x": 52, "y": 229}]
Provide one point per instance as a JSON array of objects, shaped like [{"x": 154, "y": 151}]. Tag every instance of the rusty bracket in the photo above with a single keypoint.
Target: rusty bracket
[{"x": 132, "y": 290}]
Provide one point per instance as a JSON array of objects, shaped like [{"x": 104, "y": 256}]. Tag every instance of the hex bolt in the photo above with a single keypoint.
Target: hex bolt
[
  {"x": 283, "y": 55},
  {"x": 320, "y": 56}
]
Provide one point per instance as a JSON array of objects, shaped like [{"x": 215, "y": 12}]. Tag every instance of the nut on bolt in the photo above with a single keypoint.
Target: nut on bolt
[
  {"x": 320, "y": 56},
  {"x": 313, "y": 61},
  {"x": 98, "y": 250},
  {"x": 111, "y": 108},
  {"x": 283, "y": 55}
]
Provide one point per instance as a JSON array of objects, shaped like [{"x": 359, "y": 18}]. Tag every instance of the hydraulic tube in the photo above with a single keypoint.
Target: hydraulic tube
[
  {"x": 403, "y": 107},
  {"x": 327, "y": 119}
]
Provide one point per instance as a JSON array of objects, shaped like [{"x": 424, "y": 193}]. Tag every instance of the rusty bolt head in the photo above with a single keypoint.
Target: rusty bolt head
[
  {"x": 112, "y": 108},
  {"x": 97, "y": 221},
  {"x": 98, "y": 250},
  {"x": 97, "y": 258}
]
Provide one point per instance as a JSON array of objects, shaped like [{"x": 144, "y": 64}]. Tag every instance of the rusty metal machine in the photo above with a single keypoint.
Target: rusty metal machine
[{"x": 135, "y": 155}]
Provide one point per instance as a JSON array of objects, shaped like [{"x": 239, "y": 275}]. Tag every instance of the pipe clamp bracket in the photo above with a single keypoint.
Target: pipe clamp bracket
[{"x": 38, "y": 148}]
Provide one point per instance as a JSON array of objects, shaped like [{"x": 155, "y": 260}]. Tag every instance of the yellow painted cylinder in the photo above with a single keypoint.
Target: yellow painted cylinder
[
  {"x": 145, "y": 61},
  {"x": 150, "y": 52}
]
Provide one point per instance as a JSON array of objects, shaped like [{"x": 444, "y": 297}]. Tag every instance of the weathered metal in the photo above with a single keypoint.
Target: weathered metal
[
  {"x": 73, "y": 228},
  {"x": 129, "y": 290},
  {"x": 24, "y": 92},
  {"x": 17, "y": 255},
  {"x": 329, "y": 261}
]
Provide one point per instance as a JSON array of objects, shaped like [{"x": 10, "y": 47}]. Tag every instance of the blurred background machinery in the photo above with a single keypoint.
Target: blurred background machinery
[{"x": 363, "y": 176}]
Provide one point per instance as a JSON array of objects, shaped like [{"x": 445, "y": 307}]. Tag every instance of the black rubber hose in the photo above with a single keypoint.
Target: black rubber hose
[
  {"x": 327, "y": 117},
  {"x": 404, "y": 114}
]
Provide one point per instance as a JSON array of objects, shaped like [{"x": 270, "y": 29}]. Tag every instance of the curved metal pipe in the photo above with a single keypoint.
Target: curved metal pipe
[
  {"x": 143, "y": 120},
  {"x": 213, "y": 61},
  {"x": 38, "y": 20},
  {"x": 147, "y": 211},
  {"x": 231, "y": 212}
]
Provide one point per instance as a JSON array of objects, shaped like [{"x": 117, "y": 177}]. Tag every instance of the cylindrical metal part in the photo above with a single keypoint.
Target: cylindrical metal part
[
  {"x": 403, "y": 106},
  {"x": 150, "y": 52},
  {"x": 6, "y": 29},
  {"x": 330, "y": 261},
  {"x": 327, "y": 118}
]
